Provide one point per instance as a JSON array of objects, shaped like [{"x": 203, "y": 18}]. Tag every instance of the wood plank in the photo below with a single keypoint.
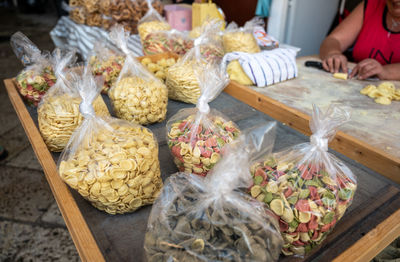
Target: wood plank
[
  {"x": 374, "y": 241},
  {"x": 79, "y": 230},
  {"x": 351, "y": 147}
]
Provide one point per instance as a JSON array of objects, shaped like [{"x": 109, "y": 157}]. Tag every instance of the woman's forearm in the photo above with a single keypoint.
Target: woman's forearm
[
  {"x": 329, "y": 47},
  {"x": 391, "y": 72}
]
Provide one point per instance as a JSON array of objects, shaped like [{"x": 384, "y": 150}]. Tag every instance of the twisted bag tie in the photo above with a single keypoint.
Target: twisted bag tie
[
  {"x": 86, "y": 109},
  {"x": 202, "y": 105},
  {"x": 319, "y": 142}
]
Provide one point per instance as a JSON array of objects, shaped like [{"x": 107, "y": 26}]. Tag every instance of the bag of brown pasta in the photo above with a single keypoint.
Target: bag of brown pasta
[
  {"x": 110, "y": 162},
  {"x": 241, "y": 39},
  {"x": 38, "y": 75},
  {"x": 58, "y": 112},
  {"x": 196, "y": 135},
  {"x": 152, "y": 21},
  {"x": 211, "y": 218},
  {"x": 106, "y": 62},
  {"x": 137, "y": 95},
  {"x": 181, "y": 78},
  {"x": 308, "y": 188}
]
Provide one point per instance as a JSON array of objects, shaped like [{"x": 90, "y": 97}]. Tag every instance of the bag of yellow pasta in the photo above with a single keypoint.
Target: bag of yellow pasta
[
  {"x": 181, "y": 79},
  {"x": 137, "y": 95},
  {"x": 241, "y": 39},
  {"x": 107, "y": 63},
  {"x": 110, "y": 162},
  {"x": 152, "y": 21},
  {"x": 196, "y": 135},
  {"x": 58, "y": 112}
]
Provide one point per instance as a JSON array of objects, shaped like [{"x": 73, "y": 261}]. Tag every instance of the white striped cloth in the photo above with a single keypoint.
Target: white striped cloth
[
  {"x": 68, "y": 34},
  {"x": 266, "y": 67}
]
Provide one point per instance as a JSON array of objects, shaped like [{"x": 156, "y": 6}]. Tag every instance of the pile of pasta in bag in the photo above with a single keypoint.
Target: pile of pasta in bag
[
  {"x": 38, "y": 75},
  {"x": 152, "y": 21},
  {"x": 111, "y": 162},
  {"x": 137, "y": 95},
  {"x": 209, "y": 218},
  {"x": 196, "y": 135},
  {"x": 181, "y": 79},
  {"x": 58, "y": 111},
  {"x": 308, "y": 188}
]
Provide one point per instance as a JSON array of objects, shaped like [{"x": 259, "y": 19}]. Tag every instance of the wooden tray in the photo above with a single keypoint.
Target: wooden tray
[{"x": 369, "y": 225}]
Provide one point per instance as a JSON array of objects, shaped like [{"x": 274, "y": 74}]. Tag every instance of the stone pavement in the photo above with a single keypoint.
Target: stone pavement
[{"x": 31, "y": 226}]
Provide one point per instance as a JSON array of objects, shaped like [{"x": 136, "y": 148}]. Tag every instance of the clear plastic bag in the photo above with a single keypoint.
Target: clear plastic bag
[
  {"x": 110, "y": 162},
  {"x": 158, "y": 67},
  {"x": 196, "y": 135},
  {"x": 210, "y": 218},
  {"x": 137, "y": 95},
  {"x": 38, "y": 75},
  {"x": 152, "y": 21},
  {"x": 241, "y": 39},
  {"x": 167, "y": 41},
  {"x": 58, "y": 111},
  {"x": 308, "y": 188},
  {"x": 106, "y": 62},
  {"x": 181, "y": 78}
]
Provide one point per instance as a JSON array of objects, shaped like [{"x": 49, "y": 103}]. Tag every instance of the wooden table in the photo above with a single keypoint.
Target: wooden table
[{"x": 369, "y": 225}]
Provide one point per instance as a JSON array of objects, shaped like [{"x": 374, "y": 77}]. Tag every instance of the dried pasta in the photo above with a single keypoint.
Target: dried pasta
[
  {"x": 240, "y": 41},
  {"x": 146, "y": 28}
]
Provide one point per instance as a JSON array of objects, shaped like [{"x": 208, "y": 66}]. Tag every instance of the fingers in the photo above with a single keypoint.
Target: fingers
[
  {"x": 366, "y": 68},
  {"x": 334, "y": 63}
]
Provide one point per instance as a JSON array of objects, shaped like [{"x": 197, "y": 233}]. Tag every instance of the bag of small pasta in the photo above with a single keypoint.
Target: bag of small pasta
[
  {"x": 241, "y": 39},
  {"x": 152, "y": 21},
  {"x": 137, "y": 95},
  {"x": 181, "y": 78},
  {"x": 38, "y": 75},
  {"x": 307, "y": 187},
  {"x": 211, "y": 218},
  {"x": 196, "y": 135},
  {"x": 111, "y": 162},
  {"x": 164, "y": 41},
  {"x": 58, "y": 112},
  {"x": 107, "y": 63}
]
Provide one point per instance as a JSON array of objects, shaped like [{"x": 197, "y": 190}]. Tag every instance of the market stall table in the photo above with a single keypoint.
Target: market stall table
[{"x": 369, "y": 225}]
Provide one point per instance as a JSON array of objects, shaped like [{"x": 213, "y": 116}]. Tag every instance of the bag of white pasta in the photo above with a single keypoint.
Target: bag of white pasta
[
  {"x": 107, "y": 63},
  {"x": 152, "y": 21},
  {"x": 241, "y": 39},
  {"x": 110, "y": 162},
  {"x": 137, "y": 95},
  {"x": 308, "y": 188},
  {"x": 196, "y": 135},
  {"x": 181, "y": 78},
  {"x": 58, "y": 111},
  {"x": 211, "y": 218},
  {"x": 38, "y": 75}
]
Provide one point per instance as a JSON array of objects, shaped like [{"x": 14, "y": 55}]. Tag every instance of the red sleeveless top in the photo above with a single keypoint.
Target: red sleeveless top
[{"x": 375, "y": 40}]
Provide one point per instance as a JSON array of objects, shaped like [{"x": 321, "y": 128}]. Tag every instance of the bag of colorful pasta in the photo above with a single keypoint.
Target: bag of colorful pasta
[
  {"x": 164, "y": 41},
  {"x": 137, "y": 95},
  {"x": 152, "y": 21},
  {"x": 111, "y": 162},
  {"x": 196, "y": 135},
  {"x": 241, "y": 39},
  {"x": 38, "y": 75},
  {"x": 307, "y": 187},
  {"x": 211, "y": 218},
  {"x": 58, "y": 111},
  {"x": 106, "y": 62}
]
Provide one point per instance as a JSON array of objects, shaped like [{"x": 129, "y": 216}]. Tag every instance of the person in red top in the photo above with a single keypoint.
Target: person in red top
[{"x": 374, "y": 29}]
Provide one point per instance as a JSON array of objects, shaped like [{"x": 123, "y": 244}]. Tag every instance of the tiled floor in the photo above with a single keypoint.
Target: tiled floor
[{"x": 31, "y": 226}]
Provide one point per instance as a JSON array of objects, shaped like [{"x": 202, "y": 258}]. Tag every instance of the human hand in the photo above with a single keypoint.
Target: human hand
[
  {"x": 333, "y": 63},
  {"x": 367, "y": 68}
]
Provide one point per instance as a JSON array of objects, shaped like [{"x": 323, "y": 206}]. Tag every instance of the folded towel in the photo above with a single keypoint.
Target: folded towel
[{"x": 266, "y": 67}]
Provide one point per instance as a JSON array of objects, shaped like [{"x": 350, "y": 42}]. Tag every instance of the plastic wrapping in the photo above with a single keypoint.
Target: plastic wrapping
[
  {"x": 107, "y": 63},
  {"x": 167, "y": 41},
  {"x": 58, "y": 112},
  {"x": 159, "y": 67},
  {"x": 196, "y": 135},
  {"x": 308, "y": 188},
  {"x": 137, "y": 95},
  {"x": 152, "y": 21},
  {"x": 38, "y": 75},
  {"x": 110, "y": 162},
  {"x": 181, "y": 79},
  {"x": 241, "y": 39},
  {"x": 210, "y": 219}
]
